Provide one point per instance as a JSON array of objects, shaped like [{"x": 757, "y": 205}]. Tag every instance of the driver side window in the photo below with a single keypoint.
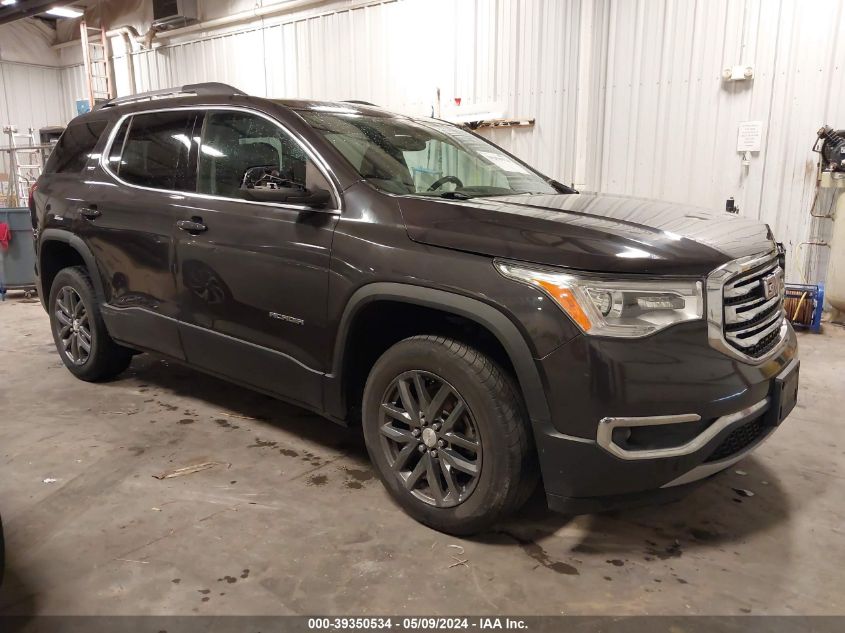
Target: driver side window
[{"x": 238, "y": 147}]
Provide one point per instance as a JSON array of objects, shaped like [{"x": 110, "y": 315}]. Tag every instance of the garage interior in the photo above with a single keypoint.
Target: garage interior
[
  {"x": 293, "y": 520},
  {"x": 717, "y": 104}
]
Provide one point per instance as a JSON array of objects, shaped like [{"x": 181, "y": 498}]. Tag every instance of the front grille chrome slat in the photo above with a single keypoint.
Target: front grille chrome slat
[
  {"x": 747, "y": 304},
  {"x": 752, "y": 276},
  {"x": 748, "y": 323},
  {"x": 733, "y": 315},
  {"x": 743, "y": 338},
  {"x": 741, "y": 291}
]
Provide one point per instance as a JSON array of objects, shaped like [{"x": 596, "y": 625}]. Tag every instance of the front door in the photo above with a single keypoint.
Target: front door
[
  {"x": 253, "y": 276},
  {"x": 128, "y": 221}
]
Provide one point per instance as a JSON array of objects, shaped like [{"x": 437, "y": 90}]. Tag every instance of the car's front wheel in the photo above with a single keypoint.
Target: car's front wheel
[
  {"x": 445, "y": 428},
  {"x": 80, "y": 335}
]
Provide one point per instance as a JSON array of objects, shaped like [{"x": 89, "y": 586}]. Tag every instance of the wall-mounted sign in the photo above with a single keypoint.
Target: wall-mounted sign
[
  {"x": 749, "y": 138},
  {"x": 82, "y": 106}
]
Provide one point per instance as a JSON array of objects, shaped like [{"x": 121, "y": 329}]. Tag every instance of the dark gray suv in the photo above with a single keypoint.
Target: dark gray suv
[{"x": 486, "y": 325}]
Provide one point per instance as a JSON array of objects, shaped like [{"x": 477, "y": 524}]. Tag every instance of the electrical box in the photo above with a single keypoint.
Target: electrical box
[
  {"x": 738, "y": 73},
  {"x": 171, "y": 14}
]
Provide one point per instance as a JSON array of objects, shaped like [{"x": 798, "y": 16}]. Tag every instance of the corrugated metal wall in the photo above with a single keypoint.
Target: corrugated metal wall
[
  {"x": 74, "y": 88},
  {"x": 516, "y": 56},
  {"x": 30, "y": 96},
  {"x": 627, "y": 94},
  {"x": 670, "y": 122}
]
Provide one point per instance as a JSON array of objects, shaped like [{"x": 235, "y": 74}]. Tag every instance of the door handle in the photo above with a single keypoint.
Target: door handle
[
  {"x": 90, "y": 212},
  {"x": 192, "y": 226}
]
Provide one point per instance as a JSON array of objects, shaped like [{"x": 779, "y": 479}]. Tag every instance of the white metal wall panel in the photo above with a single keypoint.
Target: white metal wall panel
[
  {"x": 73, "y": 89},
  {"x": 627, "y": 94},
  {"x": 669, "y": 123},
  {"x": 30, "y": 97},
  {"x": 518, "y": 56}
]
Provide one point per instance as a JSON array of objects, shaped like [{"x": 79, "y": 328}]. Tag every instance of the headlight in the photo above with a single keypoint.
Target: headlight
[{"x": 603, "y": 306}]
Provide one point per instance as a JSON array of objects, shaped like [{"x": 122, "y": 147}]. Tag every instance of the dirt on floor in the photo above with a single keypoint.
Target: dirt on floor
[{"x": 282, "y": 513}]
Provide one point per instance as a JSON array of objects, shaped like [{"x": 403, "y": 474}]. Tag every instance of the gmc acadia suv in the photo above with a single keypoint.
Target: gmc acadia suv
[{"x": 486, "y": 325}]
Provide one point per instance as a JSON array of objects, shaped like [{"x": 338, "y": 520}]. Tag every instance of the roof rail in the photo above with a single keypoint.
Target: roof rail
[
  {"x": 210, "y": 88},
  {"x": 359, "y": 102}
]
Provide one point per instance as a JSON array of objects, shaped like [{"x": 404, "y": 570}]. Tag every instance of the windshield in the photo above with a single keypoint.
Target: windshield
[{"x": 409, "y": 156}]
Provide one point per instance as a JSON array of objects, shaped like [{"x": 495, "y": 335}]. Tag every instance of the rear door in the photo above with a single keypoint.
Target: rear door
[
  {"x": 253, "y": 276},
  {"x": 63, "y": 186},
  {"x": 128, "y": 220}
]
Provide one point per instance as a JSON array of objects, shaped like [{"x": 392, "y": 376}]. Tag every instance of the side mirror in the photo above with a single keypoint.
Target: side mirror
[
  {"x": 314, "y": 198},
  {"x": 265, "y": 184},
  {"x": 317, "y": 198}
]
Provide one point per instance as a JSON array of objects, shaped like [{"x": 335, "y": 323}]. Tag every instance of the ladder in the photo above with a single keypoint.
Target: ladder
[
  {"x": 95, "y": 58},
  {"x": 25, "y": 163}
]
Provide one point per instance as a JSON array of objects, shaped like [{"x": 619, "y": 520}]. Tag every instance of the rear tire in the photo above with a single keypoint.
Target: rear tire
[
  {"x": 79, "y": 332},
  {"x": 470, "y": 435}
]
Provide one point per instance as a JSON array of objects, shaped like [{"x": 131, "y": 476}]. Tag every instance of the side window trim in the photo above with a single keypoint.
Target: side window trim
[
  {"x": 194, "y": 149},
  {"x": 203, "y": 127},
  {"x": 322, "y": 166},
  {"x": 131, "y": 120}
]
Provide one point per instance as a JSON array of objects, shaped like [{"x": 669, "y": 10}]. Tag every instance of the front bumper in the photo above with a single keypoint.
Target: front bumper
[{"x": 715, "y": 407}]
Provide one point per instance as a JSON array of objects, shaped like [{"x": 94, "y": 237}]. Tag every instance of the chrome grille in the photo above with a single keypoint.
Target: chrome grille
[
  {"x": 745, "y": 313},
  {"x": 753, "y": 308}
]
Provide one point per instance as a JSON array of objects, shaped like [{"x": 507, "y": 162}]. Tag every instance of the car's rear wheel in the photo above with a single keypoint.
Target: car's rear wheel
[
  {"x": 84, "y": 345},
  {"x": 445, "y": 428}
]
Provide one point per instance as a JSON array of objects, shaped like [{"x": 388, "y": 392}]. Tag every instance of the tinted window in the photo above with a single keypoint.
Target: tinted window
[
  {"x": 76, "y": 144},
  {"x": 423, "y": 156},
  {"x": 160, "y": 151},
  {"x": 236, "y": 142}
]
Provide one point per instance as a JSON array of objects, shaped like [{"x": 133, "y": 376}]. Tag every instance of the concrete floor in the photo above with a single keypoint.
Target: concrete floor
[{"x": 297, "y": 523}]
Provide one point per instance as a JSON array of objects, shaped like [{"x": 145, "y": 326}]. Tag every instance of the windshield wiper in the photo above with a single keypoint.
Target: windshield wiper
[{"x": 455, "y": 195}]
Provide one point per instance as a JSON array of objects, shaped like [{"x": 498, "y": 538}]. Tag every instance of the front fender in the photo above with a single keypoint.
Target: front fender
[{"x": 484, "y": 314}]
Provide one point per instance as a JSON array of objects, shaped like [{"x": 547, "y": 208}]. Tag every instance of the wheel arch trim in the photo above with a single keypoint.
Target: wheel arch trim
[
  {"x": 487, "y": 316},
  {"x": 77, "y": 244}
]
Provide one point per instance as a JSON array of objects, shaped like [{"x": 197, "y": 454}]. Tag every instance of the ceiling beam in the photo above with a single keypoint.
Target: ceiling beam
[{"x": 26, "y": 8}]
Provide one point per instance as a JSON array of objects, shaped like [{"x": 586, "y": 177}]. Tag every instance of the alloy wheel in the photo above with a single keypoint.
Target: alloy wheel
[
  {"x": 72, "y": 326},
  {"x": 430, "y": 438}
]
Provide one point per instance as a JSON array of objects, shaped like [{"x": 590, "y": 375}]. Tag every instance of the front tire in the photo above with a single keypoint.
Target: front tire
[
  {"x": 79, "y": 332},
  {"x": 446, "y": 430}
]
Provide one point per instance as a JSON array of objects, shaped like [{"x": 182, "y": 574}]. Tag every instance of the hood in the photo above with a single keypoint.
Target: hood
[{"x": 587, "y": 231}]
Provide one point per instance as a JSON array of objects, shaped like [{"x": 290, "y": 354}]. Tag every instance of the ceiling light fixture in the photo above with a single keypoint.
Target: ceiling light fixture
[{"x": 64, "y": 12}]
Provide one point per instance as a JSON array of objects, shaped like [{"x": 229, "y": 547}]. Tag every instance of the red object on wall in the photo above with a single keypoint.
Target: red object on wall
[{"x": 5, "y": 236}]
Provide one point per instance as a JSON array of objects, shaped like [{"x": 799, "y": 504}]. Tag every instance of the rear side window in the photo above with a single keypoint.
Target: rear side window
[
  {"x": 159, "y": 151},
  {"x": 74, "y": 147}
]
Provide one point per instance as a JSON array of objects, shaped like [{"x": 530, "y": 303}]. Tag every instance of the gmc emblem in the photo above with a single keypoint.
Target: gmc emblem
[{"x": 772, "y": 285}]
